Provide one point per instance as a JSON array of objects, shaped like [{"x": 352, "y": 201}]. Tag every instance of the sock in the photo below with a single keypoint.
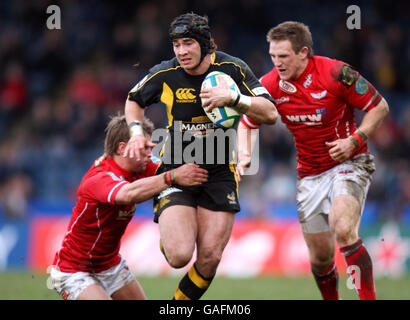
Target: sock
[
  {"x": 327, "y": 281},
  {"x": 357, "y": 255},
  {"x": 192, "y": 286}
]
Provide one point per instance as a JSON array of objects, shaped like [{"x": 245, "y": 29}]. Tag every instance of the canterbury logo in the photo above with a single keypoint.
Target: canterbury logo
[{"x": 185, "y": 94}]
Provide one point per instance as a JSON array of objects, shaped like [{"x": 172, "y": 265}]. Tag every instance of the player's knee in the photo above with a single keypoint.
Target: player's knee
[
  {"x": 322, "y": 260},
  {"x": 345, "y": 234},
  {"x": 209, "y": 257},
  {"x": 179, "y": 258}
]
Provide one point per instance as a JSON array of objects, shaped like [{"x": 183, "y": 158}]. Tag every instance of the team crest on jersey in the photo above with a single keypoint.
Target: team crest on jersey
[
  {"x": 347, "y": 76},
  {"x": 185, "y": 95},
  {"x": 287, "y": 86},
  {"x": 361, "y": 86},
  {"x": 231, "y": 197}
]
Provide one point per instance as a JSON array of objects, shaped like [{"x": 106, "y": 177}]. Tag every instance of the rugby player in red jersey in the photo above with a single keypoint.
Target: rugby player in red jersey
[
  {"x": 316, "y": 97},
  {"x": 88, "y": 264}
]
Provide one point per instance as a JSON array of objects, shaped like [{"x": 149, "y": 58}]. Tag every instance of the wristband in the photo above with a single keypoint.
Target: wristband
[
  {"x": 167, "y": 178},
  {"x": 135, "y": 128},
  {"x": 361, "y": 134},
  {"x": 355, "y": 139},
  {"x": 358, "y": 138},
  {"x": 235, "y": 98},
  {"x": 172, "y": 176},
  {"x": 242, "y": 102}
]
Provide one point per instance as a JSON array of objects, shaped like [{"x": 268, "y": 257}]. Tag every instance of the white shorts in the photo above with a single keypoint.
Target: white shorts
[
  {"x": 315, "y": 193},
  {"x": 70, "y": 285}
]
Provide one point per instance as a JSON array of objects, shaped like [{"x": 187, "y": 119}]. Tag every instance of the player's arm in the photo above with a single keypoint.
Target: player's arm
[
  {"x": 143, "y": 189},
  {"x": 246, "y": 137},
  {"x": 134, "y": 115},
  {"x": 260, "y": 109},
  {"x": 341, "y": 149}
]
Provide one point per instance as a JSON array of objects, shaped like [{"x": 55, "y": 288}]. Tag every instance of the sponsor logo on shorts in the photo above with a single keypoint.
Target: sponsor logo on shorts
[
  {"x": 168, "y": 191},
  {"x": 345, "y": 171},
  {"x": 165, "y": 200},
  {"x": 65, "y": 295},
  {"x": 231, "y": 197}
]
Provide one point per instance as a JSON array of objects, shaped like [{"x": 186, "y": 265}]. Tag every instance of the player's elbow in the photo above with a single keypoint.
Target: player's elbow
[
  {"x": 271, "y": 116},
  {"x": 384, "y": 108},
  {"x": 127, "y": 196}
]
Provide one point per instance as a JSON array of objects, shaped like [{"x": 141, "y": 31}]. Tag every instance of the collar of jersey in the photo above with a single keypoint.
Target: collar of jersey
[
  {"x": 128, "y": 175},
  {"x": 305, "y": 72}
]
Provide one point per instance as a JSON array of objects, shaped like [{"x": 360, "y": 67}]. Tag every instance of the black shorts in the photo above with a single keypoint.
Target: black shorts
[{"x": 219, "y": 193}]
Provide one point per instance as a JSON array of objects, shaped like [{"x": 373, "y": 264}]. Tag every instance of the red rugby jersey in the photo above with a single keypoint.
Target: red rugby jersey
[
  {"x": 92, "y": 240},
  {"x": 319, "y": 106}
]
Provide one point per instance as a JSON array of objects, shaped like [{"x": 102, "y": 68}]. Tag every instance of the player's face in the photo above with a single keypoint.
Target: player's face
[
  {"x": 141, "y": 164},
  {"x": 188, "y": 53},
  {"x": 288, "y": 63}
]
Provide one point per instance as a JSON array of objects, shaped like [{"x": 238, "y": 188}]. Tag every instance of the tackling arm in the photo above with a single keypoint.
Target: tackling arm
[{"x": 143, "y": 189}]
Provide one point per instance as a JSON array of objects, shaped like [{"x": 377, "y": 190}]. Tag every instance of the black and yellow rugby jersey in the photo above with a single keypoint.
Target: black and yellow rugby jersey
[{"x": 169, "y": 83}]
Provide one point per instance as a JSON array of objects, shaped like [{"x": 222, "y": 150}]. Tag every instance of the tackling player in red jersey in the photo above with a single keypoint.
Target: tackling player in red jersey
[
  {"x": 316, "y": 97},
  {"x": 88, "y": 264}
]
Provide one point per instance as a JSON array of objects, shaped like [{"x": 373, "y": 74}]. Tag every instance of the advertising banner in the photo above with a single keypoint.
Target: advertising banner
[{"x": 256, "y": 247}]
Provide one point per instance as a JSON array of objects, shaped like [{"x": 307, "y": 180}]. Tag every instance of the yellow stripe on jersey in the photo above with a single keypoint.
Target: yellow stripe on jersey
[
  {"x": 197, "y": 279},
  {"x": 240, "y": 69},
  {"x": 167, "y": 97},
  {"x": 179, "y": 295},
  {"x": 233, "y": 170},
  {"x": 200, "y": 119}
]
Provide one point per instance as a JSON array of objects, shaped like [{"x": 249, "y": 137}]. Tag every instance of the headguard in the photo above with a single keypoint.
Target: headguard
[{"x": 191, "y": 25}]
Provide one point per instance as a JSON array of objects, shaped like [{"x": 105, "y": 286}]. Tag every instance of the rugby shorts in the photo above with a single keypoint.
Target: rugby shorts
[
  {"x": 219, "y": 193},
  {"x": 315, "y": 193},
  {"x": 70, "y": 285}
]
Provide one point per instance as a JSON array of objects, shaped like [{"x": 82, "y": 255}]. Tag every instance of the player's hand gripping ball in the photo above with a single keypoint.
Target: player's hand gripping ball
[{"x": 226, "y": 116}]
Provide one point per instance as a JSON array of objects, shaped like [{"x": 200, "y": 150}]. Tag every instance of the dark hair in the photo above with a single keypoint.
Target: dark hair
[
  {"x": 117, "y": 131},
  {"x": 191, "y": 25},
  {"x": 296, "y": 32}
]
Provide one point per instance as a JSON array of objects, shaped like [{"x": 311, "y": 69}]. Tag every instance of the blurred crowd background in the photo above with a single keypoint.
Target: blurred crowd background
[{"x": 59, "y": 87}]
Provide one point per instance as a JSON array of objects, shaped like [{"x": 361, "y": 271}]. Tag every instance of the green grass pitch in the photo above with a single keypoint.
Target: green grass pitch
[{"x": 28, "y": 286}]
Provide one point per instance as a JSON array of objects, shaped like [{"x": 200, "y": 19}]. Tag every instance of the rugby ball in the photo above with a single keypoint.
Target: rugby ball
[{"x": 226, "y": 116}]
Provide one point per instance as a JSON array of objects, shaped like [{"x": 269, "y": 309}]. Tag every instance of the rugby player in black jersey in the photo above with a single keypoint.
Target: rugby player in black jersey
[{"x": 200, "y": 216}]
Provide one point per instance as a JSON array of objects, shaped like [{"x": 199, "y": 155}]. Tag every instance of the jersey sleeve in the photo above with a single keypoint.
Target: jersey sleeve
[
  {"x": 148, "y": 90},
  {"x": 353, "y": 88},
  {"x": 249, "y": 122},
  {"x": 250, "y": 85},
  {"x": 102, "y": 187}
]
